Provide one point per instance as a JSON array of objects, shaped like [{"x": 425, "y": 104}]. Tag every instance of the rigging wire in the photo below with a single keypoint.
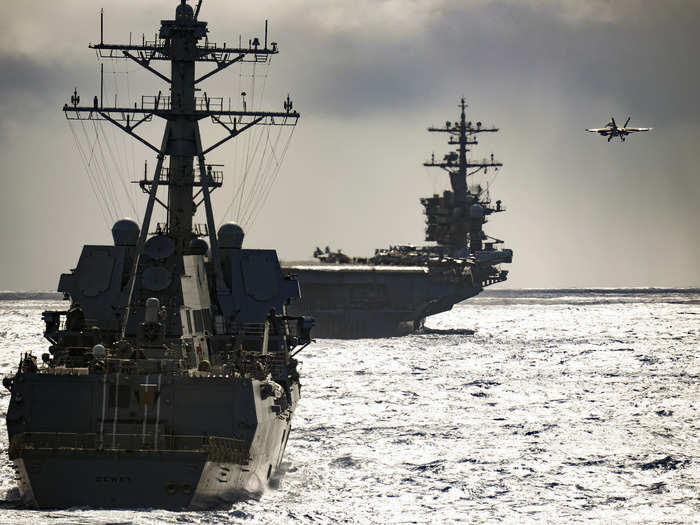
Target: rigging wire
[
  {"x": 243, "y": 212},
  {"x": 262, "y": 177},
  {"x": 240, "y": 192},
  {"x": 90, "y": 163},
  {"x": 264, "y": 77},
  {"x": 237, "y": 191},
  {"x": 263, "y": 167},
  {"x": 131, "y": 142},
  {"x": 257, "y": 177},
  {"x": 125, "y": 152},
  {"x": 247, "y": 158},
  {"x": 119, "y": 177},
  {"x": 83, "y": 160},
  {"x": 122, "y": 167},
  {"x": 237, "y": 165},
  {"x": 243, "y": 164},
  {"x": 117, "y": 139},
  {"x": 102, "y": 160},
  {"x": 274, "y": 178},
  {"x": 271, "y": 179},
  {"x": 249, "y": 198}
]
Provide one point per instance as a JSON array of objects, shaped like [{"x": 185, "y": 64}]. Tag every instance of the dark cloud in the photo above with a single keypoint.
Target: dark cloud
[
  {"x": 645, "y": 57},
  {"x": 369, "y": 77},
  {"x": 22, "y": 75}
]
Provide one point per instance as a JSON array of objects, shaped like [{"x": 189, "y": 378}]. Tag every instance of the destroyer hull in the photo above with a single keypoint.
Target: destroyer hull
[
  {"x": 169, "y": 481},
  {"x": 109, "y": 469},
  {"x": 363, "y": 301}
]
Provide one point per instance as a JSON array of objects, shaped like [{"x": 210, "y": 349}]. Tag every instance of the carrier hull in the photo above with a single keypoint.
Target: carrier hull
[{"x": 366, "y": 301}]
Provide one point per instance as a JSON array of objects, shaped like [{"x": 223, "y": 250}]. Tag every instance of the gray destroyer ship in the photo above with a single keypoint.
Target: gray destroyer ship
[
  {"x": 394, "y": 291},
  {"x": 170, "y": 380}
]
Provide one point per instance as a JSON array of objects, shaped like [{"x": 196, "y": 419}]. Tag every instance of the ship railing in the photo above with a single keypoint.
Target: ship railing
[
  {"x": 157, "y": 49},
  {"x": 198, "y": 229},
  {"x": 291, "y": 326},
  {"x": 117, "y": 114},
  {"x": 498, "y": 277},
  {"x": 149, "y": 103},
  {"x": 165, "y": 103},
  {"x": 57, "y": 321},
  {"x": 217, "y": 448},
  {"x": 166, "y": 364},
  {"x": 140, "y": 47},
  {"x": 218, "y": 53},
  {"x": 158, "y": 43},
  {"x": 214, "y": 178},
  {"x": 257, "y": 330},
  {"x": 250, "y": 329}
]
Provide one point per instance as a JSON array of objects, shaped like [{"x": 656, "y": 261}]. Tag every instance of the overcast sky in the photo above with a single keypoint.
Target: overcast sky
[{"x": 369, "y": 76}]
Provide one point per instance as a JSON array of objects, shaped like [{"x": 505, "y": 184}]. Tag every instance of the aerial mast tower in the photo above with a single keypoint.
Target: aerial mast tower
[
  {"x": 183, "y": 43},
  {"x": 455, "y": 219}
]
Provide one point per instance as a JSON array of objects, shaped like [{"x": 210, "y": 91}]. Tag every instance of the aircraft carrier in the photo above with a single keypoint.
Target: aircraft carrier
[
  {"x": 392, "y": 292},
  {"x": 169, "y": 381}
]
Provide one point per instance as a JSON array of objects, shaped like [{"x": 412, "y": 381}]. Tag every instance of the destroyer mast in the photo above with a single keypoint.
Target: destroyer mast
[{"x": 178, "y": 42}]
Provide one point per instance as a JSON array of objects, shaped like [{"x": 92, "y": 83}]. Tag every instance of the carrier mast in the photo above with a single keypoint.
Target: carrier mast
[{"x": 455, "y": 220}]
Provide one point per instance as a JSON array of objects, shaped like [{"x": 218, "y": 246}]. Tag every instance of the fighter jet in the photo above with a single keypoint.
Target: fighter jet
[{"x": 611, "y": 130}]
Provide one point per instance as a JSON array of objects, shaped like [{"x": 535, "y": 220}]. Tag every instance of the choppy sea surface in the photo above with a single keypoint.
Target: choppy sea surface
[{"x": 563, "y": 406}]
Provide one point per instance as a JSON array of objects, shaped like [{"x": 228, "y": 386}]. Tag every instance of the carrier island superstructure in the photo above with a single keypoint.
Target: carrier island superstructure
[
  {"x": 394, "y": 291},
  {"x": 170, "y": 380}
]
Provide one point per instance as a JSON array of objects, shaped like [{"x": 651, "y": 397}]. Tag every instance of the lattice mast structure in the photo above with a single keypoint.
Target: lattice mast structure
[
  {"x": 183, "y": 42},
  {"x": 455, "y": 219}
]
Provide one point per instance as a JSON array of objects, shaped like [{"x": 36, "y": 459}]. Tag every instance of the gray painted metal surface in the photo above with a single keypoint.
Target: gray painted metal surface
[{"x": 169, "y": 381}]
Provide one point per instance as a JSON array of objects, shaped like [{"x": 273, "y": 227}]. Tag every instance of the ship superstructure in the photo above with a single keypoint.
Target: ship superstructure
[
  {"x": 170, "y": 380},
  {"x": 392, "y": 292},
  {"x": 455, "y": 219}
]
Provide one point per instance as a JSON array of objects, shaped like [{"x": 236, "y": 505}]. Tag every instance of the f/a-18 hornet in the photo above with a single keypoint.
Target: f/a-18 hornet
[{"x": 611, "y": 130}]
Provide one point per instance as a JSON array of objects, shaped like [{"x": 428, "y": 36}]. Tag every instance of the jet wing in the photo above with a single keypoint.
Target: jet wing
[{"x": 598, "y": 130}]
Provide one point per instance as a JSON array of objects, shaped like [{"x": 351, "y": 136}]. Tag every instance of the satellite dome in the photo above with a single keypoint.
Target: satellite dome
[
  {"x": 231, "y": 235},
  {"x": 159, "y": 247},
  {"x": 198, "y": 246},
  {"x": 99, "y": 351},
  {"x": 125, "y": 232}
]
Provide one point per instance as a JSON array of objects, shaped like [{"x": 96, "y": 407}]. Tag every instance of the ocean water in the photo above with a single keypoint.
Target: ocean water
[{"x": 563, "y": 406}]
